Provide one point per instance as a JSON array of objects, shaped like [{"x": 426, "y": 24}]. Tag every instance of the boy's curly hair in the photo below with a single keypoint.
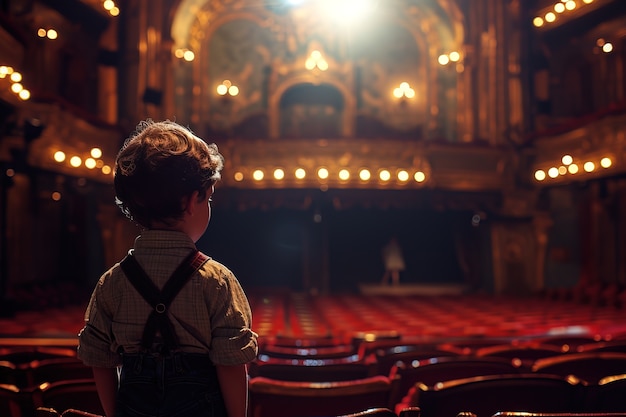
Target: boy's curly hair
[{"x": 160, "y": 165}]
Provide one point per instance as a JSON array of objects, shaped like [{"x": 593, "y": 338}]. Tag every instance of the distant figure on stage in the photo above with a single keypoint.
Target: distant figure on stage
[{"x": 393, "y": 260}]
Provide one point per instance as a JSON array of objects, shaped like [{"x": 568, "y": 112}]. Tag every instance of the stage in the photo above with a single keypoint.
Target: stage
[{"x": 431, "y": 289}]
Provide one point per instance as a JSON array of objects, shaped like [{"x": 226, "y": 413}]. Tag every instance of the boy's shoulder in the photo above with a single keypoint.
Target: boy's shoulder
[
  {"x": 215, "y": 267},
  {"x": 111, "y": 274}
]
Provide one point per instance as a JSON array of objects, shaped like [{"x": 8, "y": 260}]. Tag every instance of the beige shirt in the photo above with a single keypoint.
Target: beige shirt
[{"x": 211, "y": 314}]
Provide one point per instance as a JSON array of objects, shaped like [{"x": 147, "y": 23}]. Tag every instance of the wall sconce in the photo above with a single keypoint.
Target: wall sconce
[
  {"x": 445, "y": 59},
  {"x": 184, "y": 53},
  {"x": 404, "y": 91},
  {"x": 49, "y": 33},
  {"x": 606, "y": 47},
  {"x": 316, "y": 60},
  {"x": 111, "y": 7},
  {"x": 227, "y": 88}
]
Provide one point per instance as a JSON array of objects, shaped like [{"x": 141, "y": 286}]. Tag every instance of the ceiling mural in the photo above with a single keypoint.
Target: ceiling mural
[{"x": 382, "y": 60}]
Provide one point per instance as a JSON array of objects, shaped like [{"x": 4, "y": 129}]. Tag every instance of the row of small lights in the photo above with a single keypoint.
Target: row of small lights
[
  {"x": 323, "y": 173},
  {"x": 16, "y": 81},
  {"x": 93, "y": 161},
  {"x": 560, "y": 7},
  {"x": 570, "y": 167}
]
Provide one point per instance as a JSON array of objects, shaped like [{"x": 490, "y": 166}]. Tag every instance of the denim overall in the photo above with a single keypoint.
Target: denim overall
[{"x": 161, "y": 381}]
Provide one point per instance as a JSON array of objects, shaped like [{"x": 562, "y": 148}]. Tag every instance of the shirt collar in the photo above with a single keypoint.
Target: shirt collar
[{"x": 163, "y": 239}]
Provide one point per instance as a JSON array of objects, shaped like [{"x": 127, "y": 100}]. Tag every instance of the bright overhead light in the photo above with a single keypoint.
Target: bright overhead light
[{"x": 347, "y": 11}]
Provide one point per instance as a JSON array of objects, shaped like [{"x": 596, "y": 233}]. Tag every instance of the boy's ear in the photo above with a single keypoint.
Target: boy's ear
[{"x": 190, "y": 203}]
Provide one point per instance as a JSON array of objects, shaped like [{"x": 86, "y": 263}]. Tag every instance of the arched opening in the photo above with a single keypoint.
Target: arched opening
[{"x": 311, "y": 111}]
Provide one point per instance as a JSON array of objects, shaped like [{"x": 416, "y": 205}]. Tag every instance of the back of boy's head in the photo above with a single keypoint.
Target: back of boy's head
[{"x": 160, "y": 165}]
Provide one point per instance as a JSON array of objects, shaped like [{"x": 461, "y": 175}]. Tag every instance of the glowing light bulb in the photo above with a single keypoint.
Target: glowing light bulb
[
  {"x": 279, "y": 174},
  {"x": 258, "y": 175},
  {"x": 540, "y": 175}
]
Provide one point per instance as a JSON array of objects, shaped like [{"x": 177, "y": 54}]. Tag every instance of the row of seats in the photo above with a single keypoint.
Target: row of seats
[
  {"x": 483, "y": 395},
  {"x": 17, "y": 366},
  {"x": 486, "y": 395},
  {"x": 61, "y": 395},
  {"x": 587, "y": 362},
  {"x": 377, "y": 412},
  {"x": 402, "y": 366},
  {"x": 37, "y": 372},
  {"x": 418, "y": 372}
]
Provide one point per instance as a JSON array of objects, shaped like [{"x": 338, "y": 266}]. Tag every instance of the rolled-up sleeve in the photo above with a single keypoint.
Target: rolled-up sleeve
[
  {"x": 232, "y": 340},
  {"x": 96, "y": 346}
]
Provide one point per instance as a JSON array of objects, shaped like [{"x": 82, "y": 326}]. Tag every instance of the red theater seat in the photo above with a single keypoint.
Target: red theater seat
[
  {"x": 486, "y": 395},
  {"x": 273, "y": 398},
  {"x": 588, "y": 366}
]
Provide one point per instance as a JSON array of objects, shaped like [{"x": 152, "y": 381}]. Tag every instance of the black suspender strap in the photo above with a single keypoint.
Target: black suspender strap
[{"x": 161, "y": 300}]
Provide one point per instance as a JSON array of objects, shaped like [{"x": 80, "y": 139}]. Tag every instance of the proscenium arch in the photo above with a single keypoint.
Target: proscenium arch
[{"x": 446, "y": 31}]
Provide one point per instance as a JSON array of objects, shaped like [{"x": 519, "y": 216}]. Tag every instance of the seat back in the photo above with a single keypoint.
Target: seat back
[
  {"x": 606, "y": 346},
  {"x": 589, "y": 366},
  {"x": 524, "y": 352},
  {"x": 46, "y": 412},
  {"x": 387, "y": 357},
  {"x": 55, "y": 369},
  {"x": 273, "y": 398},
  {"x": 609, "y": 394},
  {"x": 71, "y": 412},
  {"x": 372, "y": 412},
  {"x": 312, "y": 370},
  {"x": 486, "y": 395},
  {"x": 322, "y": 352},
  {"x": 568, "y": 343},
  {"x": 62, "y": 395},
  {"x": 8, "y": 373},
  {"x": 574, "y": 414},
  {"x": 25, "y": 354},
  {"x": 434, "y": 370},
  {"x": 15, "y": 402}
]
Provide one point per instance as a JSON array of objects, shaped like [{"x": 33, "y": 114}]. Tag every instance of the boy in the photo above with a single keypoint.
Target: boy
[{"x": 182, "y": 347}]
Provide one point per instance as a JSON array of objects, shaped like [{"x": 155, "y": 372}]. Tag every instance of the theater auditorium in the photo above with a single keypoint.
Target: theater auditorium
[{"x": 485, "y": 137}]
